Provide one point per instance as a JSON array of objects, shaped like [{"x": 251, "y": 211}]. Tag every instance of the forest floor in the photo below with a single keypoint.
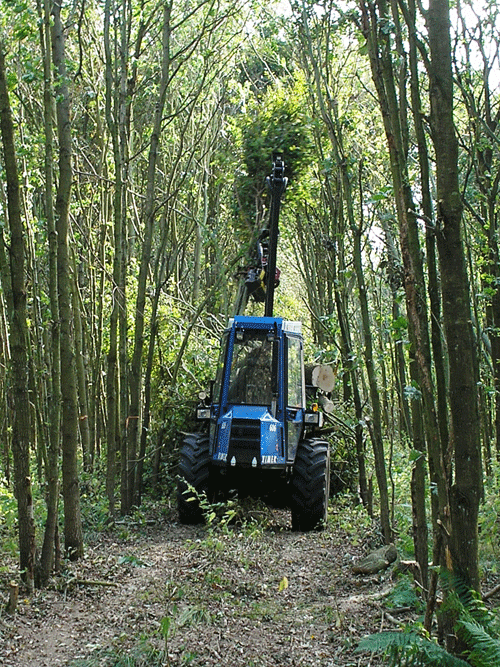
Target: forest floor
[{"x": 159, "y": 593}]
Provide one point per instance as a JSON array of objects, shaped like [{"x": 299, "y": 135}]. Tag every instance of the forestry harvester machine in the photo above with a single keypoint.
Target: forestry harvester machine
[{"x": 258, "y": 438}]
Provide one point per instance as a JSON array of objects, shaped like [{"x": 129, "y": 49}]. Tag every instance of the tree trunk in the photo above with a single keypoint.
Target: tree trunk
[
  {"x": 116, "y": 115},
  {"x": 15, "y": 292},
  {"x": 54, "y": 397},
  {"x": 335, "y": 205},
  {"x": 380, "y": 52},
  {"x": 438, "y": 349},
  {"x": 135, "y": 416},
  {"x": 375, "y": 424},
  {"x": 467, "y": 484},
  {"x": 73, "y": 537},
  {"x": 81, "y": 370}
]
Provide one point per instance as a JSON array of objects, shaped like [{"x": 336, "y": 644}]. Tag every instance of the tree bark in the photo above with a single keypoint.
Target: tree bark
[
  {"x": 135, "y": 415},
  {"x": 466, "y": 490},
  {"x": 334, "y": 203},
  {"x": 81, "y": 369},
  {"x": 47, "y": 555},
  {"x": 484, "y": 126},
  {"x": 116, "y": 378},
  {"x": 380, "y": 51},
  {"x": 375, "y": 425},
  {"x": 15, "y": 291},
  {"x": 73, "y": 536}
]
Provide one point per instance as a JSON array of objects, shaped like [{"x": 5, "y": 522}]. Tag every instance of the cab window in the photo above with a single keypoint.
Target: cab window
[{"x": 294, "y": 366}]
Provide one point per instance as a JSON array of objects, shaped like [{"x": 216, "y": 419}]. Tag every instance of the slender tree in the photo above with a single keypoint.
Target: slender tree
[
  {"x": 466, "y": 490},
  {"x": 15, "y": 291},
  {"x": 73, "y": 535},
  {"x": 329, "y": 113},
  {"x": 134, "y": 418},
  {"x": 379, "y": 40},
  {"x": 117, "y": 115},
  {"x": 54, "y": 391}
]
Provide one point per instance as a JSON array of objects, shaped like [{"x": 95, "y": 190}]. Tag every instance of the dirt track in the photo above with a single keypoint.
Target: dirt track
[{"x": 242, "y": 597}]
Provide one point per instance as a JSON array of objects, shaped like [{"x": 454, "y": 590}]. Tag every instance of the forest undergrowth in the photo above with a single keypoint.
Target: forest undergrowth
[{"x": 243, "y": 590}]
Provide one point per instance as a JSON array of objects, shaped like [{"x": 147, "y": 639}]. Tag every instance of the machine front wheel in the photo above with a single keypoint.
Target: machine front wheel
[
  {"x": 310, "y": 485},
  {"x": 194, "y": 471}
]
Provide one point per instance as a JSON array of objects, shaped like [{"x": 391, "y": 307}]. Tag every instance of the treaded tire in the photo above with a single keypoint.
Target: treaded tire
[
  {"x": 194, "y": 471},
  {"x": 310, "y": 485}
]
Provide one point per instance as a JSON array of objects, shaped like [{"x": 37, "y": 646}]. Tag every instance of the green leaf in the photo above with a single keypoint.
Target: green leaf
[{"x": 415, "y": 455}]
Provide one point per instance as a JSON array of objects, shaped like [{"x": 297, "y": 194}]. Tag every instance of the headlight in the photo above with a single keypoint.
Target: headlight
[
  {"x": 314, "y": 418},
  {"x": 202, "y": 413}
]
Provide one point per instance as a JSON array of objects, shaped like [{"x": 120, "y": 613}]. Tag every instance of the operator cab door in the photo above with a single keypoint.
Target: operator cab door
[
  {"x": 295, "y": 399},
  {"x": 217, "y": 391}
]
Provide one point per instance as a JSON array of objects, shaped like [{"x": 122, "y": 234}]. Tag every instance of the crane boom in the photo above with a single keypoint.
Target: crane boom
[{"x": 277, "y": 183}]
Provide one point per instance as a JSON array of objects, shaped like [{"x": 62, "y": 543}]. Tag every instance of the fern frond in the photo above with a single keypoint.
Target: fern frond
[
  {"x": 409, "y": 648},
  {"x": 382, "y": 641},
  {"x": 484, "y": 649},
  {"x": 479, "y": 613}
]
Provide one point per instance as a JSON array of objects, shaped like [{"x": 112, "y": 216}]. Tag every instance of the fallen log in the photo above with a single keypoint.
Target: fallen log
[{"x": 376, "y": 561}]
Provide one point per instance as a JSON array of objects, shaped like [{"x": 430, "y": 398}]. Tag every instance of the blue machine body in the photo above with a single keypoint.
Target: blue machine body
[
  {"x": 261, "y": 437},
  {"x": 258, "y": 402}
]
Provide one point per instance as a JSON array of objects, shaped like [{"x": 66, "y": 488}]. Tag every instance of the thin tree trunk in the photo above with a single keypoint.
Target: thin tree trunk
[
  {"x": 376, "y": 418},
  {"x": 161, "y": 268},
  {"x": 81, "y": 370},
  {"x": 337, "y": 212},
  {"x": 350, "y": 369},
  {"x": 73, "y": 536},
  {"x": 114, "y": 116},
  {"x": 5, "y": 354},
  {"x": 380, "y": 51},
  {"x": 54, "y": 449},
  {"x": 135, "y": 415},
  {"x": 438, "y": 348},
  {"x": 466, "y": 490},
  {"x": 16, "y": 291}
]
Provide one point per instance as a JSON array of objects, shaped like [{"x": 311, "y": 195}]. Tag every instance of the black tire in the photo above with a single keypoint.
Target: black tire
[
  {"x": 310, "y": 485},
  {"x": 194, "y": 472}
]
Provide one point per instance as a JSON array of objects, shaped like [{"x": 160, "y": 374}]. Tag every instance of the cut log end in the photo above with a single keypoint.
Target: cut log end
[
  {"x": 11, "y": 605},
  {"x": 321, "y": 376}
]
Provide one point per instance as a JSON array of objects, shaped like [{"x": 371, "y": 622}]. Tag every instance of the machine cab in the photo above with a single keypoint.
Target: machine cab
[{"x": 258, "y": 404}]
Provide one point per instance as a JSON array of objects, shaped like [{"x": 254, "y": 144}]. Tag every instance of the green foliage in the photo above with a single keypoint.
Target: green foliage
[
  {"x": 351, "y": 518},
  {"x": 94, "y": 502},
  {"x": 278, "y": 124},
  {"x": 476, "y": 627},
  {"x": 403, "y": 461},
  {"x": 8, "y": 522},
  {"x": 486, "y": 649},
  {"x": 409, "y": 649},
  {"x": 247, "y": 514},
  {"x": 143, "y": 655},
  {"x": 343, "y": 465},
  {"x": 132, "y": 560},
  {"x": 403, "y": 594},
  {"x": 489, "y": 525}
]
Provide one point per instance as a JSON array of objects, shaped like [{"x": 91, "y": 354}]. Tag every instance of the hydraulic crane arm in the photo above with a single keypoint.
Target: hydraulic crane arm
[{"x": 277, "y": 184}]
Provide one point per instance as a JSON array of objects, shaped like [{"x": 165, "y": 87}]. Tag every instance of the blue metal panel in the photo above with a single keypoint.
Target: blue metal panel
[
  {"x": 258, "y": 322},
  {"x": 271, "y": 442},
  {"x": 224, "y": 431},
  {"x": 249, "y": 435}
]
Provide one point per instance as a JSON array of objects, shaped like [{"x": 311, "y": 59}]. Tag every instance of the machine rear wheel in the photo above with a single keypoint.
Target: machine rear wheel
[
  {"x": 194, "y": 470},
  {"x": 310, "y": 485}
]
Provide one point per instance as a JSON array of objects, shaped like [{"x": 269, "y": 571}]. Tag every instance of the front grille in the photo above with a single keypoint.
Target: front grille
[{"x": 244, "y": 442}]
